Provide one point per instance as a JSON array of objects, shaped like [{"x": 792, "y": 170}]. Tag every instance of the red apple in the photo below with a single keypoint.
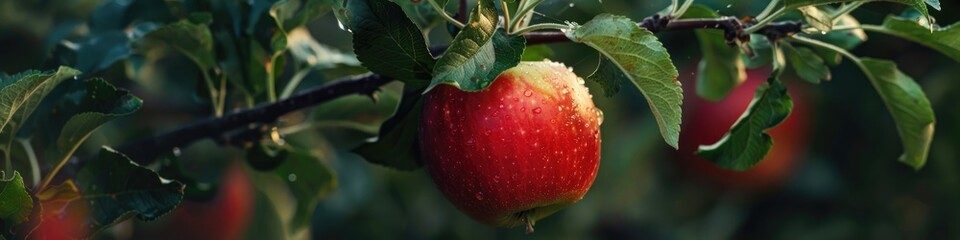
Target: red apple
[
  {"x": 516, "y": 152},
  {"x": 706, "y": 122},
  {"x": 226, "y": 216}
]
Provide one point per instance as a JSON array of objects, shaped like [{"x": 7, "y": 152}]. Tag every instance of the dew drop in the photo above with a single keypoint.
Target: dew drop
[
  {"x": 571, "y": 5},
  {"x": 292, "y": 177},
  {"x": 479, "y": 196},
  {"x": 565, "y": 91},
  {"x": 523, "y": 109},
  {"x": 537, "y": 110},
  {"x": 599, "y": 117},
  {"x": 501, "y": 105},
  {"x": 176, "y": 152},
  {"x": 528, "y": 93},
  {"x": 729, "y": 5}
]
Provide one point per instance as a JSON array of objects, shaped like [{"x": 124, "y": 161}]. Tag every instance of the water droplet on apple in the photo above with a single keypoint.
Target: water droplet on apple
[
  {"x": 565, "y": 91},
  {"x": 479, "y": 196},
  {"x": 516, "y": 99},
  {"x": 501, "y": 105},
  {"x": 537, "y": 110},
  {"x": 599, "y": 117},
  {"x": 528, "y": 93},
  {"x": 523, "y": 109}
]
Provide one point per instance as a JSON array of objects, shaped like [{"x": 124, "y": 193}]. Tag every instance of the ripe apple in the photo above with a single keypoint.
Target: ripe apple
[
  {"x": 226, "y": 216},
  {"x": 516, "y": 152},
  {"x": 706, "y": 122}
]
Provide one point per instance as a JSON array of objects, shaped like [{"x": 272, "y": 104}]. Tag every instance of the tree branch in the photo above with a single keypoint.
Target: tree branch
[{"x": 145, "y": 151}]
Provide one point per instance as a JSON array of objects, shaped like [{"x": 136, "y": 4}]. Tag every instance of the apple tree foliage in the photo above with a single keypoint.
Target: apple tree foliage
[{"x": 244, "y": 52}]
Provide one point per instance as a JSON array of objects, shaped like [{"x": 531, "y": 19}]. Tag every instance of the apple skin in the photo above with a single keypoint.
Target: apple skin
[
  {"x": 705, "y": 122},
  {"x": 226, "y": 216},
  {"x": 525, "y": 147}
]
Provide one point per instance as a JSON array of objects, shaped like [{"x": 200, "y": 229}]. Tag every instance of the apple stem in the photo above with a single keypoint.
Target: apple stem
[{"x": 529, "y": 220}]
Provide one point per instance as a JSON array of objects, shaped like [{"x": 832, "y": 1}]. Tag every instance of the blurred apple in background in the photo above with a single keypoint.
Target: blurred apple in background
[
  {"x": 705, "y": 122},
  {"x": 226, "y": 216}
]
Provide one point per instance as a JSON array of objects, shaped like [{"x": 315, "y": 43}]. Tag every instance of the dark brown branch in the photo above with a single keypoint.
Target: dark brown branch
[{"x": 146, "y": 150}]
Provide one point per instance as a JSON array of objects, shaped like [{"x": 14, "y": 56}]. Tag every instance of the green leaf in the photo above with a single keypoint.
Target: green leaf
[
  {"x": 421, "y": 13},
  {"x": 644, "y": 60},
  {"x": 909, "y": 106},
  {"x": 289, "y": 14},
  {"x": 15, "y": 202},
  {"x": 920, "y": 5},
  {"x": 102, "y": 102},
  {"x": 21, "y": 94},
  {"x": 116, "y": 188},
  {"x": 398, "y": 146},
  {"x": 302, "y": 46},
  {"x": 945, "y": 40},
  {"x": 357, "y": 112},
  {"x": 816, "y": 18},
  {"x": 309, "y": 179},
  {"x": 747, "y": 141},
  {"x": 807, "y": 64},
  {"x": 189, "y": 39},
  {"x": 387, "y": 43},
  {"x": 721, "y": 69},
  {"x": 479, "y": 53},
  {"x": 847, "y": 39}
]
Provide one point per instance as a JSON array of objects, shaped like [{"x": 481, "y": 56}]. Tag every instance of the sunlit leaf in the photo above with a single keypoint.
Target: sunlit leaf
[
  {"x": 302, "y": 46},
  {"x": 20, "y": 94},
  {"x": 816, "y": 18},
  {"x": 807, "y": 64},
  {"x": 945, "y": 40},
  {"x": 644, "y": 60},
  {"x": 920, "y": 5},
  {"x": 909, "y": 106}
]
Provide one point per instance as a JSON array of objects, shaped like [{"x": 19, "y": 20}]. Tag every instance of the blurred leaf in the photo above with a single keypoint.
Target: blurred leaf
[
  {"x": 807, "y": 64},
  {"x": 762, "y": 52},
  {"x": 356, "y": 112},
  {"x": 747, "y": 142},
  {"x": 721, "y": 69},
  {"x": 387, "y": 43},
  {"x": 309, "y": 180},
  {"x": 536, "y": 53},
  {"x": 98, "y": 51},
  {"x": 609, "y": 76},
  {"x": 265, "y": 156},
  {"x": 909, "y": 106},
  {"x": 116, "y": 188},
  {"x": 15, "y": 202},
  {"x": 639, "y": 55},
  {"x": 917, "y": 4},
  {"x": 65, "y": 191},
  {"x": 302, "y": 46},
  {"x": 192, "y": 40},
  {"x": 21, "y": 94},
  {"x": 289, "y": 14},
  {"x": 816, "y": 18},
  {"x": 398, "y": 145},
  {"x": 945, "y": 40},
  {"x": 266, "y": 222},
  {"x": 479, "y": 53},
  {"x": 101, "y": 103}
]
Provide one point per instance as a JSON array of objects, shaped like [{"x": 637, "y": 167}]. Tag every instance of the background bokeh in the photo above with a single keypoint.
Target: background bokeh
[{"x": 847, "y": 184}]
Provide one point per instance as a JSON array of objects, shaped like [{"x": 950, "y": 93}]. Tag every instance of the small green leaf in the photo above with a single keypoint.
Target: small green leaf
[
  {"x": 479, "y": 53},
  {"x": 101, "y": 103},
  {"x": 807, "y": 64},
  {"x": 309, "y": 179},
  {"x": 387, "y": 43},
  {"x": 21, "y": 94},
  {"x": 398, "y": 145},
  {"x": 721, "y": 69},
  {"x": 945, "y": 40},
  {"x": 644, "y": 60},
  {"x": 747, "y": 142},
  {"x": 116, "y": 188},
  {"x": 15, "y": 202},
  {"x": 192, "y": 40},
  {"x": 816, "y": 18},
  {"x": 909, "y": 106}
]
